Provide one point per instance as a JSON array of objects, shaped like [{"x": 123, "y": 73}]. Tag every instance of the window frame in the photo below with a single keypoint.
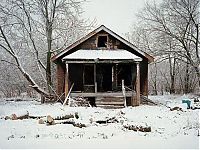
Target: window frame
[{"x": 97, "y": 39}]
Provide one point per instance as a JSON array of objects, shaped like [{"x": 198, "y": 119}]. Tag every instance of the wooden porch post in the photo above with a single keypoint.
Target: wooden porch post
[
  {"x": 136, "y": 98},
  {"x": 137, "y": 84},
  {"x": 66, "y": 80},
  {"x": 95, "y": 78}
]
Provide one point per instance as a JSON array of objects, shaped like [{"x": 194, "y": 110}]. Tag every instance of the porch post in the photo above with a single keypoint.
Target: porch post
[
  {"x": 137, "y": 84},
  {"x": 66, "y": 80},
  {"x": 113, "y": 77},
  {"x": 95, "y": 78}
]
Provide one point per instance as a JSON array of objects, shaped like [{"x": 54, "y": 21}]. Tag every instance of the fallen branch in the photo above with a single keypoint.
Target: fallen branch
[
  {"x": 64, "y": 117},
  {"x": 109, "y": 120},
  {"x": 51, "y": 121},
  {"x": 24, "y": 115},
  {"x": 36, "y": 117},
  {"x": 137, "y": 128},
  {"x": 176, "y": 108}
]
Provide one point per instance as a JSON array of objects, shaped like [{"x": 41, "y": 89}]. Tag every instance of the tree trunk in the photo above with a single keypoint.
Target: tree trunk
[
  {"x": 155, "y": 81},
  {"x": 187, "y": 76},
  {"x": 198, "y": 75},
  {"x": 172, "y": 74},
  {"x": 48, "y": 71}
]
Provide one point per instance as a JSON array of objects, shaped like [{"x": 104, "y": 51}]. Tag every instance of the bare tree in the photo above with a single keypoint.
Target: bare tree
[
  {"x": 170, "y": 32},
  {"x": 40, "y": 27},
  {"x": 179, "y": 20}
]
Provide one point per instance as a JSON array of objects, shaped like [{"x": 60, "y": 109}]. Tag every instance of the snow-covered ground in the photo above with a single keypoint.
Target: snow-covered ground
[{"x": 169, "y": 129}]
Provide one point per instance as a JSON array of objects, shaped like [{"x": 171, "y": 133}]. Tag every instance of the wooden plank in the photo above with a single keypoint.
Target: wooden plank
[
  {"x": 110, "y": 106},
  {"x": 95, "y": 78},
  {"x": 66, "y": 81},
  {"x": 99, "y": 61},
  {"x": 138, "y": 84},
  {"x": 68, "y": 94},
  {"x": 124, "y": 93},
  {"x": 110, "y": 103},
  {"x": 99, "y": 94}
]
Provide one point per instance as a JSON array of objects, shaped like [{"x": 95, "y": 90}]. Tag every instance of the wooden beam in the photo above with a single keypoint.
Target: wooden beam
[
  {"x": 66, "y": 81},
  {"x": 60, "y": 80},
  {"x": 138, "y": 84},
  {"x": 124, "y": 93},
  {"x": 116, "y": 75},
  {"x": 113, "y": 76},
  {"x": 99, "y": 61},
  {"x": 95, "y": 78},
  {"x": 102, "y": 94},
  {"x": 145, "y": 88}
]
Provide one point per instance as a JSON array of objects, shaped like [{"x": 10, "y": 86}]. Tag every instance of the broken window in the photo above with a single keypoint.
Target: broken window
[{"x": 102, "y": 41}]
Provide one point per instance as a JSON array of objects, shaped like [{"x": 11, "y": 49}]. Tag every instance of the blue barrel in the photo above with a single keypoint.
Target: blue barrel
[{"x": 188, "y": 102}]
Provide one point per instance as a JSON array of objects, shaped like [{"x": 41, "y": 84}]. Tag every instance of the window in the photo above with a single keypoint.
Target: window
[{"x": 102, "y": 41}]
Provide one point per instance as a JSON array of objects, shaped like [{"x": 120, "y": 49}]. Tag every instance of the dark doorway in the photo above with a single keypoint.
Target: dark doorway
[
  {"x": 125, "y": 73},
  {"x": 88, "y": 78},
  {"x": 89, "y": 74},
  {"x": 76, "y": 76},
  {"x": 104, "y": 77}
]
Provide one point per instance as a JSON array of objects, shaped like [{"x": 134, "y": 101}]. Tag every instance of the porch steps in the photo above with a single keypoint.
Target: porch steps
[{"x": 110, "y": 102}]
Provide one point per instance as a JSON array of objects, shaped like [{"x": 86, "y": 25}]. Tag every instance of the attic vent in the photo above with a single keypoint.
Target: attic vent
[{"x": 102, "y": 41}]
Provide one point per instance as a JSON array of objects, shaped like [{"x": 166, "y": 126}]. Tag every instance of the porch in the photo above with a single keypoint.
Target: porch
[{"x": 101, "y": 78}]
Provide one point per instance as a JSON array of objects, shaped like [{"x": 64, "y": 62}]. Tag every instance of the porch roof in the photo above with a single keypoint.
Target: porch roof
[{"x": 119, "y": 54}]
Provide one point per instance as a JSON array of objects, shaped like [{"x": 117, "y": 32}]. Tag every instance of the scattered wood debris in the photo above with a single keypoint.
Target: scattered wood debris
[
  {"x": 41, "y": 121},
  {"x": 78, "y": 102},
  {"x": 50, "y": 120},
  {"x": 109, "y": 120},
  {"x": 176, "y": 108},
  {"x": 65, "y": 117},
  {"x": 25, "y": 115},
  {"x": 138, "y": 128},
  {"x": 79, "y": 125},
  {"x": 36, "y": 117}
]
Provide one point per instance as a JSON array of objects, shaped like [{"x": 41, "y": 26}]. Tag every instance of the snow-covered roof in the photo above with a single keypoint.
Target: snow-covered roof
[
  {"x": 119, "y": 54},
  {"x": 102, "y": 27}
]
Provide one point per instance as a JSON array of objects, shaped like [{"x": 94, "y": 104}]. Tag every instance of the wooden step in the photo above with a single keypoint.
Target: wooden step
[
  {"x": 110, "y": 102},
  {"x": 110, "y": 106},
  {"x": 109, "y": 99}
]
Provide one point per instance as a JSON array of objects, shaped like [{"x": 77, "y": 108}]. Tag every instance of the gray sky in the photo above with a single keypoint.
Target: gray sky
[{"x": 118, "y": 15}]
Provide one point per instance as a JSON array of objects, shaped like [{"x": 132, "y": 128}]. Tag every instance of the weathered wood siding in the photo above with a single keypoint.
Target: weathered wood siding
[{"x": 60, "y": 75}]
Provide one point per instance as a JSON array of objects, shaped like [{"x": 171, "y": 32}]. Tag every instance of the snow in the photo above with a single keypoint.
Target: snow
[
  {"x": 119, "y": 54},
  {"x": 170, "y": 129}
]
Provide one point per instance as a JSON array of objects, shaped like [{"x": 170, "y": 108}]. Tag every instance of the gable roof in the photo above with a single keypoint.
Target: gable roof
[{"x": 102, "y": 27}]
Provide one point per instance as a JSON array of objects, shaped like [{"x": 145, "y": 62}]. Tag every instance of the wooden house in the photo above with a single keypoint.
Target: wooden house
[{"x": 104, "y": 68}]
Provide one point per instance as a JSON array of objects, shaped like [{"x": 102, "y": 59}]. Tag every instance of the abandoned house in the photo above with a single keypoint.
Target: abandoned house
[{"x": 103, "y": 68}]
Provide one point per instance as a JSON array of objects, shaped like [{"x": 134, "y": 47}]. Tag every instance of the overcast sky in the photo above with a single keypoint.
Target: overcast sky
[{"x": 118, "y": 15}]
